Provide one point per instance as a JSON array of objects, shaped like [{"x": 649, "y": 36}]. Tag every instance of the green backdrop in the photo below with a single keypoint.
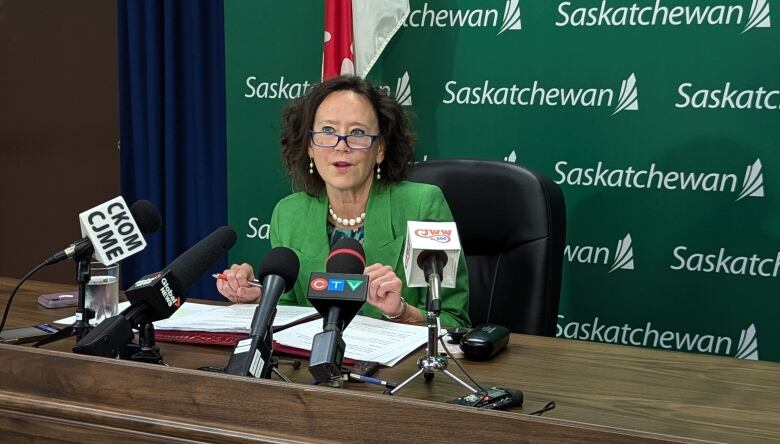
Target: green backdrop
[{"x": 658, "y": 118}]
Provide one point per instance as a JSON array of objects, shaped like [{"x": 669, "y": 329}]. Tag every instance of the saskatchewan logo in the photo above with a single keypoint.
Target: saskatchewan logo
[
  {"x": 511, "y": 16},
  {"x": 753, "y": 183},
  {"x": 644, "y": 335},
  {"x": 275, "y": 89},
  {"x": 622, "y": 259},
  {"x": 403, "y": 90},
  {"x": 759, "y": 16},
  {"x": 628, "y": 95},
  {"x": 427, "y": 17},
  {"x": 654, "y": 178},
  {"x": 658, "y": 13},
  {"x": 624, "y": 255},
  {"x": 538, "y": 94},
  {"x": 748, "y": 344}
]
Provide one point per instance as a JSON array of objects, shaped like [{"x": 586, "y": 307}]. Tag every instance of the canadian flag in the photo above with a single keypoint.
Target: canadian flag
[{"x": 356, "y": 32}]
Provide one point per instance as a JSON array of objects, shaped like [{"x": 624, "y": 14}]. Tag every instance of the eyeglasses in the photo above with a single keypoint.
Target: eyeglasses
[{"x": 327, "y": 139}]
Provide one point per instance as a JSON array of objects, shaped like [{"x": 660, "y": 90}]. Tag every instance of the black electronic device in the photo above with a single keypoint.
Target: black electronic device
[
  {"x": 365, "y": 368},
  {"x": 27, "y": 334},
  {"x": 484, "y": 342},
  {"x": 456, "y": 334},
  {"x": 252, "y": 356},
  {"x": 338, "y": 294},
  {"x": 493, "y": 398}
]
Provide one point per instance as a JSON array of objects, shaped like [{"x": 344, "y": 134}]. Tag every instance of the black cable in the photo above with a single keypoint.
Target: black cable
[
  {"x": 549, "y": 406},
  {"x": 441, "y": 339},
  {"x": 13, "y": 293}
]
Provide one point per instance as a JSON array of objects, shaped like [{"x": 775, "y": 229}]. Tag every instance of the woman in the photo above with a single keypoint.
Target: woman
[{"x": 348, "y": 147}]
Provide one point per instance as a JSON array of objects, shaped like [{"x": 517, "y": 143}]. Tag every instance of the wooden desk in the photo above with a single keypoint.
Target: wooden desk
[{"x": 604, "y": 393}]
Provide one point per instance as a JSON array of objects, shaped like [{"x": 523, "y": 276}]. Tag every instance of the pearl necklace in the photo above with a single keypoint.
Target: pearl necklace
[{"x": 344, "y": 221}]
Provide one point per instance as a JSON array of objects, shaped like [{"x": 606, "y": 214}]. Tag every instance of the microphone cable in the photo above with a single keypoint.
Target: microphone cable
[
  {"x": 452, "y": 357},
  {"x": 13, "y": 293},
  {"x": 549, "y": 406}
]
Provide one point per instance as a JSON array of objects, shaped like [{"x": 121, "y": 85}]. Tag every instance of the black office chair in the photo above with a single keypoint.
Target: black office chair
[{"x": 512, "y": 227}]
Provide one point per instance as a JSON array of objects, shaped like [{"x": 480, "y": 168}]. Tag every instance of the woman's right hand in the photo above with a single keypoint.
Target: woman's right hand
[{"x": 236, "y": 288}]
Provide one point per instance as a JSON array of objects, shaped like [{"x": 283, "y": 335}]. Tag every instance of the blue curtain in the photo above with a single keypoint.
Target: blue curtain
[{"x": 172, "y": 125}]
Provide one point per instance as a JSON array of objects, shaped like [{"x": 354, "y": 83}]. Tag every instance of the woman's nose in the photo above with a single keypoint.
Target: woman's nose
[{"x": 342, "y": 146}]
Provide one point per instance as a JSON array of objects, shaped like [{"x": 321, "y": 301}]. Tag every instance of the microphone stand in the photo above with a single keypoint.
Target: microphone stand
[
  {"x": 273, "y": 361},
  {"x": 81, "y": 326},
  {"x": 146, "y": 350},
  {"x": 432, "y": 362}
]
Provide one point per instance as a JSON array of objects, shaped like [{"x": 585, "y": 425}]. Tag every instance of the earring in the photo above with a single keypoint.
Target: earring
[
  {"x": 311, "y": 165},
  {"x": 378, "y": 171}
]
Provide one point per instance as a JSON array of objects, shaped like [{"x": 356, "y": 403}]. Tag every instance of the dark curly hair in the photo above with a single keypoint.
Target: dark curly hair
[{"x": 298, "y": 120}]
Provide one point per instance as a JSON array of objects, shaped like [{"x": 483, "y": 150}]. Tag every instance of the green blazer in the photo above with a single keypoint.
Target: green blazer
[{"x": 299, "y": 223}]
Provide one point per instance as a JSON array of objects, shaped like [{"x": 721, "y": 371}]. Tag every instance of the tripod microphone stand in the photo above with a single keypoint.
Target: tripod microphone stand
[
  {"x": 81, "y": 326},
  {"x": 432, "y": 362}
]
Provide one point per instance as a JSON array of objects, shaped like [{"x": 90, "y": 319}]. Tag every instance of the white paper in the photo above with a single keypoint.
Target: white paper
[
  {"x": 366, "y": 339},
  {"x": 237, "y": 318}
]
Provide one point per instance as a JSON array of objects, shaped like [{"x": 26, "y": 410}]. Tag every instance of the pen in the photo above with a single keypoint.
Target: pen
[
  {"x": 371, "y": 380},
  {"x": 252, "y": 283}
]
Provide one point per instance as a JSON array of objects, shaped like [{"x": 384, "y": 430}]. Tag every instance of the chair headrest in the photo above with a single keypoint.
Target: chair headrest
[{"x": 497, "y": 205}]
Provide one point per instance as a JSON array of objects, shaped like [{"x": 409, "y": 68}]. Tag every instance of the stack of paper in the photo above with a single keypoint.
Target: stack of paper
[
  {"x": 366, "y": 339},
  {"x": 236, "y": 318}
]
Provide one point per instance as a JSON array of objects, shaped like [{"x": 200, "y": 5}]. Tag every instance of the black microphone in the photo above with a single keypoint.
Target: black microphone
[
  {"x": 146, "y": 216},
  {"x": 157, "y": 296},
  {"x": 252, "y": 356},
  {"x": 338, "y": 294},
  {"x": 432, "y": 263}
]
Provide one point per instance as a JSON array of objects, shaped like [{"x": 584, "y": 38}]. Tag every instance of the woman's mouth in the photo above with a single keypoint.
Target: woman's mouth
[{"x": 342, "y": 166}]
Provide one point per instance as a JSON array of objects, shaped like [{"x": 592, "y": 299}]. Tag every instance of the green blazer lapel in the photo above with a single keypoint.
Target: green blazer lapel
[
  {"x": 315, "y": 246},
  {"x": 382, "y": 242}
]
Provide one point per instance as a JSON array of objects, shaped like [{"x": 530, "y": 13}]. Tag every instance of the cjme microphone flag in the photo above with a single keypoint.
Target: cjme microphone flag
[
  {"x": 431, "y": 236},
  {"x": 112, "y": 230}
]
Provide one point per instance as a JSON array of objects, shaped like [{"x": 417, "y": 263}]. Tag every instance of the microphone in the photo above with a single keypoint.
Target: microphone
[
  {"x": 252, "y": 356},
  {"x": 432, "y": 263},
  {"x": 434, "y": 247},
  {"x": 338, "y": 294},
  {"x": 158, "y": 295},
  {"x": 144, "y": 217},
  {"x": 431, "y": 240}
]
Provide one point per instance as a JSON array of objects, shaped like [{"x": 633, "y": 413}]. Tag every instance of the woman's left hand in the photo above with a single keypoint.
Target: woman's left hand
[{"x": 384, "y": 289}]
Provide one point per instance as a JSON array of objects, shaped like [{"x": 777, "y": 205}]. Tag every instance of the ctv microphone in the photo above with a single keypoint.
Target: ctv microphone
[
  {"x": 252, "y": 356},
  {"x": 112, "y": 232},
  {"x": 157, "y": 296},
  {"x": 338, "y": 294}
]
